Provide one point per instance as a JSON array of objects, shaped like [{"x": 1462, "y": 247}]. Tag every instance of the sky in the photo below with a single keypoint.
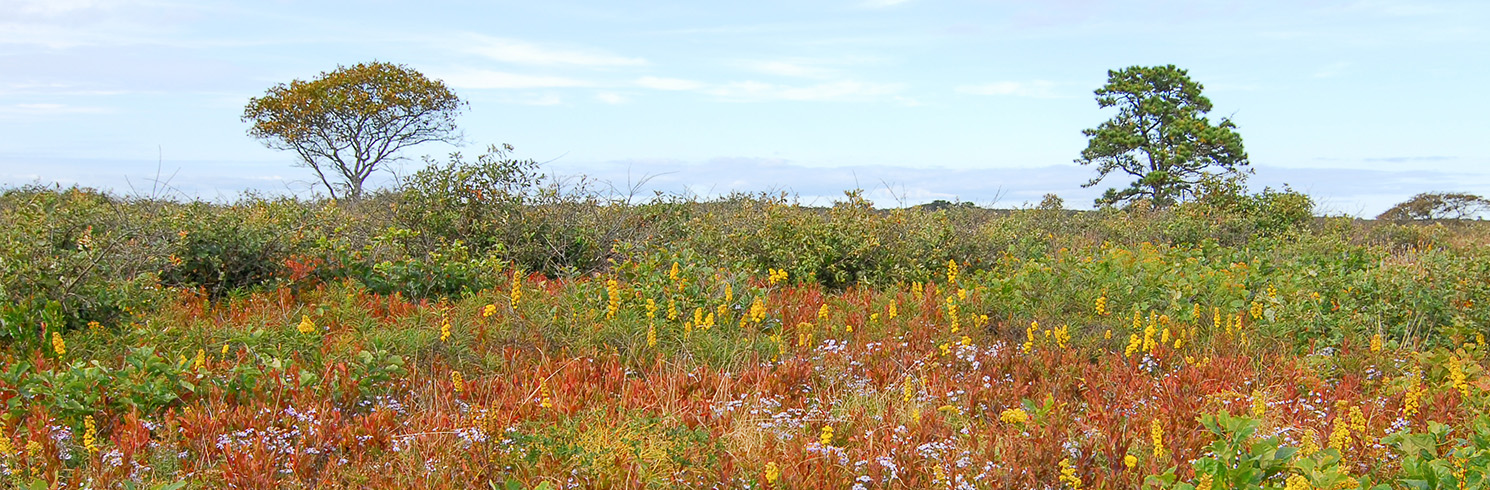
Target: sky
[{"x": 1359, "y": 103}]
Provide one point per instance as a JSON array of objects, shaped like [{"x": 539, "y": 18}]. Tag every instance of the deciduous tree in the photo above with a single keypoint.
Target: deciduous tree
[{"x": 345, "y": 124}]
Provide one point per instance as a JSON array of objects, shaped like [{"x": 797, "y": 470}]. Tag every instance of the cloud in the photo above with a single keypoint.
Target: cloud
[
  {"x": 1039, "y": 89},
  {"x": 611, "y": 98},
  {"x": 842, "y": 90},
  {"x": 659, "y": 83},
  {"x": 490, "y": 79},
  {"x": 521, "y": 52},
  {"x": 797, "y": 69},
  {"x": 50, "y": 110}
]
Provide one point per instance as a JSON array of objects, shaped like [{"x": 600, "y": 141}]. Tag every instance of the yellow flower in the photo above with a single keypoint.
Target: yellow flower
[
  {"x": 826, "y": 438},
  {"x": 613, "y": 298},
  {"x": 201, "y": 360},
  {"x": 457, "y": 382},
  {"x": 893, "y": 312},
  {"x": 1297, "y": 482},
  {"x": 1130, "y": 461},
  {"x": 90, "y": 434},
  {"x": 545, "y": 397},
  {"x": 652, "y": 335},
  {"x": 445, "y": 331},
  {"x": 1014, "y": 416},
  {"x": 306, "y": 326},
  {"x": 672, "y": 273},
  {"x": 1376, "y": 343},
  {"x": 1413, "y": 396},
  {"x": 1156, "y": 431},
  {"x": 1456, "y": 375},
  {"x": 58, "y": 345},
  {"x": 952, "y": 272},
  {"x": 488, "y": 311},
  {"x": 729, "y": 293},
  {"x": 1068, "y": 474},
  {"x": 1101, "y": 305},
  {"x": 773, "y": 473},
  {"x": 225, "y": 350},
  {"x": 517, "y": 288}
]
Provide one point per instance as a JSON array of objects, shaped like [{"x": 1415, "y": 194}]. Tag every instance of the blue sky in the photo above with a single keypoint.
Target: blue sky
[{"x": 1360, "y": 103}]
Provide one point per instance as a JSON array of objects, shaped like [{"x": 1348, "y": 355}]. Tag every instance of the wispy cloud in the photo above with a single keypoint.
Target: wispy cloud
[
  {"x": 841, "y": 90},
  {"x": 788, "y": 68},
  {"x": 526, "y": 53},
  {"x": 491, "y": 79},
  {"x": 611, "y": 98},
  {"x": 659, "y": 83},
  {"x": 883, "y": 3},
  {"x": 1039, "y": 89},
  {"x": 750, "y": 90},
  {"x": 50, "y": 110}
]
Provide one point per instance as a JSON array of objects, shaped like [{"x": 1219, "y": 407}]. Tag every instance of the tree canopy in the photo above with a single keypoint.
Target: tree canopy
[
  {"x": 346, "y": 123},
  {"x": 1160, "y": 136},
  {"x": 1437, "y": 205}
]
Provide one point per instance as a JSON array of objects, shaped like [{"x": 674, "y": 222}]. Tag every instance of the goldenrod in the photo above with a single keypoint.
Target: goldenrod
[
  {"x": 1376, "y": 343},
  {"x": 826, "y": 438},
  {"x": 613, "y": 298},
  {"x": 1156, "y": 431},
  {"x": 1014, "y": 416},
  {"x": 90, "y": 434},
  {"x": 457, "y": 382},
  {"x": 488, "y": 311},
  {"x": 1068, "y": 474},
  {"x": 58, "y": 345},
  {"x": 773, "y": 473},
  {"x": 306, "y": 326}
]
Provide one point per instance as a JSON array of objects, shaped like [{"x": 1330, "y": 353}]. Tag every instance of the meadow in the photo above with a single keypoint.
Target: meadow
[{"x": 488, "y": 330}]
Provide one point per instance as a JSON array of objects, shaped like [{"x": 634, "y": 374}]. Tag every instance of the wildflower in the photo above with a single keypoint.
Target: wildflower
[
  {"x": 952, "y": 314},
  {"x": 1063, "y": 336},
  {"x": 58, "y": 345},
  {"x": 1129, "y": 461},
  {"x": 651, "y": 309},
  {"x": 1259, "y": 404},
  {"x": 892, "y": 313},
  {"x": 90, "y": 434},
  {"x": 1014, "y": 416},
  {"x": 225, "y": 350},
  {"x": 952, "y": 272},
  {"x": 908, "y": 390},
  {"x": 5, "y": 445},
  {"x": 545, "y": 399},
  {"x": 758, "y": 310},
  {"x": 966, "y": 341},
  {"x": 1107, "y": 335},
  {"x": 306, "y": 326},
  {"x": 774, "y": 276},
  {"x": 1297, "y": 482},
  {"x": 613, "y": 298},
  {"x": 488, "y": 311},
  {"x": 773, "y": 473},
  {"x": 1133, "y": 344},
  {"x": 1340, "y": 434},
  {"x": 1376, "y": 343},
  {"x": 457, "y": 382},
  {"x": 445, "y": 330},
  {"x": 1256, "y": 310},
  {"x": 949, "y": 409},
  {"x": 1156, "y": 431},
  {"x": 1205, "y": 482},
  {"x": 1272, "y": 291},
  {"x": 1413, "y": 396},
  {"x": 826, "y": 438},
  {"x": 94, "y": 325},
  {"x": 1309, "y": 446},
  {"x": 200, "y": 361},
  {"x": 729, "y": 293},
  {"x": 1456, "y": 374},
  {"x": 1101, "y": 305},
  {"x": 672, "y": 274},
  {"x": 672, "y": 310},
  {"x": 517, "y": 288},
  {"x": 1068, "y": 474}
]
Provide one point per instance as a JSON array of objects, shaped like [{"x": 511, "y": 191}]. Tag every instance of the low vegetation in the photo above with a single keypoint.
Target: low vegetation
[{"x": 484, "y": 326}]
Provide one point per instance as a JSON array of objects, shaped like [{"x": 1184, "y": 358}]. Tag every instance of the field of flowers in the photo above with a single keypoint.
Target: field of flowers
[{"x": 1304, "y": 361}]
